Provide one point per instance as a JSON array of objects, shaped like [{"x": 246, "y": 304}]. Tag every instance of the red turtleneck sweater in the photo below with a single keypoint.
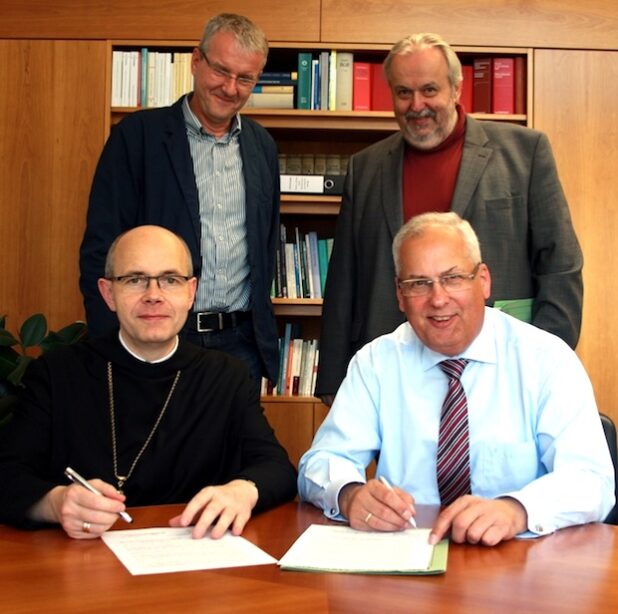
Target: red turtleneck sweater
[{"x": 429, "y": 175}]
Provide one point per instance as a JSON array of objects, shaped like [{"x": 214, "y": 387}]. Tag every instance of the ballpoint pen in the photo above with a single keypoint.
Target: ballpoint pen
[
  {"x": 78, "y": 479},
  {"x": 384, "y": 481}
]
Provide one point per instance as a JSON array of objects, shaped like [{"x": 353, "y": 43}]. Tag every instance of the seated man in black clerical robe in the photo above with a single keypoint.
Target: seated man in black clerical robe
[{"x": 144, "y": 416}]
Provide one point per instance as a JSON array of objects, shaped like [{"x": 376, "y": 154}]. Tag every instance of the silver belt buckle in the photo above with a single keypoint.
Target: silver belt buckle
[{"x": 201, "y": 329}]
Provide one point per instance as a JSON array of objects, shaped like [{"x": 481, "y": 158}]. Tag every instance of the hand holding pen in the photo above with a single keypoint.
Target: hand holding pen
[
  {"x": 411, "y": 520},
  {"x": 78, "y": 479}
]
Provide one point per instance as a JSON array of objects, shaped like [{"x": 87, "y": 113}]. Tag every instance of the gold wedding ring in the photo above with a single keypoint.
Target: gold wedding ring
[
  {"x": 368, "y": 517},
  {"x": 86, "y": 527}
]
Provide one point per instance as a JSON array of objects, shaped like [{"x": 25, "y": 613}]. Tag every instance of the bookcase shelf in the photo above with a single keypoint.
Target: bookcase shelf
[
  {"x": 298, "y": 307},
  {"x": 304, "y": 204}
]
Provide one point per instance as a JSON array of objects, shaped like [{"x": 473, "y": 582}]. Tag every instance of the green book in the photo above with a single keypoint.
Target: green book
[
  {"x": 303, "y": 91},
  {"x": 323, "y": 261}
]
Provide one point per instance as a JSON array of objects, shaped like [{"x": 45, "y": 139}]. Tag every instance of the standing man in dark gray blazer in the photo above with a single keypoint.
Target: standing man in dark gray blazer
[
  {"x": 212, "y": 177},
  {"x": 500, "y": 177}
]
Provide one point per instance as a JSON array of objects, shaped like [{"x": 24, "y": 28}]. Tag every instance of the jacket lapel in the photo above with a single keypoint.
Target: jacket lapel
[
  {"x": 391, "y": 173},
  {"x": 474, "y": 159}
]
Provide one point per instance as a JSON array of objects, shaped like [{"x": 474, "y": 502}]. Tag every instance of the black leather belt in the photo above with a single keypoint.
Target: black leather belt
[{"x": 209, "y": 321}]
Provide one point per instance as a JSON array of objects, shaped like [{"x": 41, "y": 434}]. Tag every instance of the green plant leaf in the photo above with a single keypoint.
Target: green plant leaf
[
  {"x": 8, "y": 361},
  {"x": 33, "y": 330},
  {"x": 6, "y": 339},
  {"x": 73, "y": 332},
  {"x": 65, "y": 336},
  {"x": 17, "y": 374}
]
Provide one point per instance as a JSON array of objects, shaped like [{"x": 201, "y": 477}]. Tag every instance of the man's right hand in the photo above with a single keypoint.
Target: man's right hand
[{"x": 375, "y": 507}]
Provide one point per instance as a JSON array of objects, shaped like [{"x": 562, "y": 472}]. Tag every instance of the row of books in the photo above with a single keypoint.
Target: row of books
[
  {"x": 333, "y": 81},
  {"x": 313, "y": 164},
  {"x": 149, "y": 78},
  {"x": 495, "y": 85},
  {"x": 301, "y": 265},
  {"x": 274, "y": 90},
  {"x": 298, "y": 365}
]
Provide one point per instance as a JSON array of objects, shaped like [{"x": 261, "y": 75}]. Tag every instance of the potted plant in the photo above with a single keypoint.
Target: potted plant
[{"x": 16, "y": 353}]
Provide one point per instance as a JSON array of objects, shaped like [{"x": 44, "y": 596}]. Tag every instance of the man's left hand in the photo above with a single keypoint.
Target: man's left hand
[
  {"x": 480, "y": 521},
  {"x": 219, "y": 507}
]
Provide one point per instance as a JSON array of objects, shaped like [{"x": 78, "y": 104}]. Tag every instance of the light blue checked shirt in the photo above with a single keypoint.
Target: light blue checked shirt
[{"x": 224, "y": 284}]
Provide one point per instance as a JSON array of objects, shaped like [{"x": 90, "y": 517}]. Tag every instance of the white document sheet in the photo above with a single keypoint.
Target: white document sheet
[
  {"x": 166, "y": 550},
  {"x": 340, "y": 548}
]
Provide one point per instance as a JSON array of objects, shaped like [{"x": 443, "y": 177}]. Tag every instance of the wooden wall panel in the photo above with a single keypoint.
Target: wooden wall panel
[
  {"x": 52, "y": 129},
  {"x": 526, "y": 23},
  {"x": 575, "y": 104},
  {"x": 152, "y": 19},
  {"x": 292, "y": 422}
]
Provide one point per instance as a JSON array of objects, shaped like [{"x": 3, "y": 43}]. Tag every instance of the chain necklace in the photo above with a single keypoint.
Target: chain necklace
[{"x": 123, "y": 478}]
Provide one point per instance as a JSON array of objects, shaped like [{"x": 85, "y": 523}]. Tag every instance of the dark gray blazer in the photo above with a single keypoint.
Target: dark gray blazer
[
  {"x": 507, "y": 188},
  {"x": 145, "y": 176}
]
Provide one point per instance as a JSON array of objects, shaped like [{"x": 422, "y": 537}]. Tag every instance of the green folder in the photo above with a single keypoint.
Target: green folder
[{"x": 520, "y": 308}]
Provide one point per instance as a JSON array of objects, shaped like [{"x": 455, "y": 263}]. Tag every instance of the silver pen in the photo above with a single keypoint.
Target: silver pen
[
  {"x": 384, "y": 481},
  {"x": 78, "y": 479}
]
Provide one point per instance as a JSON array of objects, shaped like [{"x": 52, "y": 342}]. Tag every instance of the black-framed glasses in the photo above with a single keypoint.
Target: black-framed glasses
[
  {"x": 243, "y": 81},
  {"x": 451, "y": 282},
  {"x": 167, "y": 282}
]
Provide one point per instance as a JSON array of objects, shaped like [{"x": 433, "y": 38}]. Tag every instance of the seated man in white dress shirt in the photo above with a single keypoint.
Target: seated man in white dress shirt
[{"x": 526, "y": 449}]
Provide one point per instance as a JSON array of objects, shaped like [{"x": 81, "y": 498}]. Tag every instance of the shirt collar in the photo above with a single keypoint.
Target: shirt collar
[
  {"x": 140, "y": 358},
  {"x": 195, "y": 127},
  {"x": 482, "y": 348}
]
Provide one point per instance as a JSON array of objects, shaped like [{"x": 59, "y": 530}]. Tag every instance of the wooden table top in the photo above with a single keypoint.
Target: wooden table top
[{"x": 573, "y": 570}]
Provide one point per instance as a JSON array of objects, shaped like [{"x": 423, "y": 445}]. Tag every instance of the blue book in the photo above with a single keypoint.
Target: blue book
[{"x": 315, "y": 84}]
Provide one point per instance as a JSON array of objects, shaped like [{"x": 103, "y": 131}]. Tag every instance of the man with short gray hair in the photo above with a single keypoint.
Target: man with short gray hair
[
  {"x": 201, "y": 170},
  {"x": 463, "y": 406}
]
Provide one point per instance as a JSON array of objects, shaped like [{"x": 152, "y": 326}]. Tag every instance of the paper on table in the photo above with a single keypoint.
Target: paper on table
[
  {"x": 340, "y": 548},
  {"x": 166, "y": 550}
]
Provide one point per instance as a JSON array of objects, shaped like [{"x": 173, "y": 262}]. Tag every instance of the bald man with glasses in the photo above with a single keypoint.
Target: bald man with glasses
[{"x": 146, "y": 417}]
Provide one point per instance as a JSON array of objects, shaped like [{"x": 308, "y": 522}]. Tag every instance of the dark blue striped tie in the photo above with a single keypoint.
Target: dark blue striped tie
[{"x": 453, "y": 463}]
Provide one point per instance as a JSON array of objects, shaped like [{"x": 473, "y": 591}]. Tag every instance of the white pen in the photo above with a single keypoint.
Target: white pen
[
  {"x": 78, "y": 479},
  {"x": 384, "y": 481}
]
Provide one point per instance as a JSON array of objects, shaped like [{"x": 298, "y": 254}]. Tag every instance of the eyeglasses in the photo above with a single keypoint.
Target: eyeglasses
[
  {"x": 242, "y": 81},
  {"x": 140, "y": 283},
  {"x": 453, "y": 282}
]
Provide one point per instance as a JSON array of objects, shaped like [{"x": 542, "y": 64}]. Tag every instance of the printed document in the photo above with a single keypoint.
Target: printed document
[
  {"x": 343, "y": 549},
  {"x": 165, "y": 550}
]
